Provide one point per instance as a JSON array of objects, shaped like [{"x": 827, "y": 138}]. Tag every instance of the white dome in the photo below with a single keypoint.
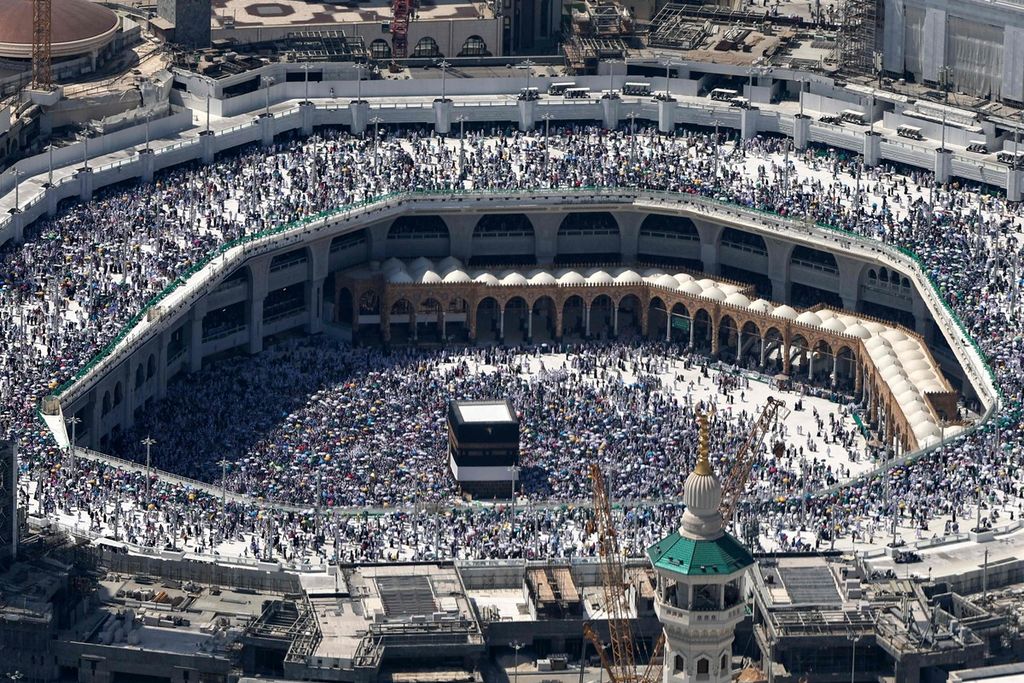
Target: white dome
[
  {"x": 924, "y": 375},
  {"x": 683, "y": 278},
  {"x": 391, "y": 265},
  {"x": 761, "y": 306},
  {"x": 737, "y": 299},
  {"x": 906, "y": 345},
  {"x": 900, "y": 385},
  {"x": 543, "y": 279},
  {"x": 932, "y": 386},
  {"x": 910, "y": 356},
  {"x": 873, "y": 326},
  {"x": 653, "y": 272},
  {"x": 399, "y": 277},
  {"x": 785, "y": 311},
  {"x": 691, "y": 288},
  {"x": 926, "y": 429},
  {"x": 486, "y": 278},
  {"x": 834, "y": 325},
  {"x": 850, "y": 320},
  {"x": 665, "y": 280},
  {"x": 458, "y": 276},
  {"x": 702, "y": 494},
  {"x": 893, "y": 335},
  {"x": 714, "y": 293},
  {"x": 430, "y": 278},
  {"x": 600, "y": 277},
  {"x": 571, "y": 278},
  {"x": 707, "y": 282},
  {"x": 448, "y": 263},
  {"x": 916, "y": 364},
  {"x": 907, "y": 397},
  {"x": 874, "y": 342},
  {"x": 809, "y": 318},
  {"x": 513, "y": 279},
  {"x": 858, "y": 331},
  {"x": 826, "y": 314},
  {"x": 421, "y": 263},
  {"x": 729, "y": 289},
  {"x": 629, "y": 277}
]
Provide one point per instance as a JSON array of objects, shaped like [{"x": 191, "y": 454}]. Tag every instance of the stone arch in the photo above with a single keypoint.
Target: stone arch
[
  {"x": 105, "y": 403},
  {"x": 602, "y": 311},
  {"x": 118, "y": 393},
  {"x": 774, "y": 345},
  {"x": 657, "y": 319},
  {"x": 813, "y": 258},
  {"x": 846, "y": 368},
  {"x": 140, "y": 375},
  {"x": 702, "y": 325},
  {"x": 150, "y": 366},
  {"x": 544, "y": 315},
  {"x": 750, "y": 343},
  {"x": 574, "y": 316},
  {"x": 401, "y": 320},
  {"x": 743, "y": 240},
  {"x": 799, "y": 351},
  {"x": 589, "y": 236},
  {"x": 665, "y": 238},
  {"x": 681, "y": 323},
  {"x": 369, "y": 303},
  {"x": 728, "y": 338},
  {"x": 413, "y": 236},
  {"x": 820, "y": 362},
  {"x": 630, "y": 316},
  {"x": 516, "y": 314},
  {"x": 503, "y": 238},
  {"x": 430, "y": 314},
  {"x": 488, "y": 318}
]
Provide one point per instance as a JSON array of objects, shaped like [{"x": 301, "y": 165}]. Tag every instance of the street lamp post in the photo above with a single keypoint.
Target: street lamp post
[
  {"x": 632, "y": 136},
  {"x": 716, "y": 143},
  {"x": 74, "y": 420},
  {"x": 668, "y": 67},
  {"x": 527, "y": 64},
  {"x": 149, "y": 115},
  {"x": 359, "y": 83},
  {"x": 207, "y": 116},
  {"x": 517, "y": 646},
  {"x": 17, "y": 177},
  {"x": 305, "y": 80},
  {"x": 514, "y": 469},
  {"x": 461, "y": 120},
  {"x": 853, "y": 658},
  {"x": 85, "y": 150},
  {"x": 444, "y": 72},
  {"x": 376, "y": 121},
  {"x": 148, "y": 443},
  {"x": 49, "y": 165},
  {"x": 267, "y": 82}
]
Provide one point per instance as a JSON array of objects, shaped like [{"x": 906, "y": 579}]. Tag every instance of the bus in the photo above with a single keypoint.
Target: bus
[
  {"x": 529, "y": 94},
  {"x": 912, "y": 132},
  {"x": 723, "y": 94},
  {"x": 641, "y": 89},
  {"x": 977, "y": 146},
  {"x": 741, "y": 102},
  {"x": 577, "y": 93},
  {"x": 560, "y": 88},
  {"x": 852, "y": 116}
]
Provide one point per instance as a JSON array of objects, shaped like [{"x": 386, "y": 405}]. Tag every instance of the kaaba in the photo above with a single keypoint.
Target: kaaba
[{"x": 483, "y": 447}]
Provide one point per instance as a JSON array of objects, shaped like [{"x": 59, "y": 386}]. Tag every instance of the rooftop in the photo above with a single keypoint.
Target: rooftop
[{"x": 474, "y": 412}]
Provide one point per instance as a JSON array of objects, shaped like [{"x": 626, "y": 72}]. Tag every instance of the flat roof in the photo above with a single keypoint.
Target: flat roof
[{"x": 484, "y": 411}]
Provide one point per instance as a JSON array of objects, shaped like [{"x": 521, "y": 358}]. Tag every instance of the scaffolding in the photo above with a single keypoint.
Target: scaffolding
[{"x": 858, "y": 37}]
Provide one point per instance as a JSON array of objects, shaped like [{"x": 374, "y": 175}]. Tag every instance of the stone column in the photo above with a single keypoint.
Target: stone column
[
  {"x": 360, "y": 114},
  {"x": 85, "y": 184},
  {"x": 748, "y": 122},
  {"x": 307, "y": 112},
  {"x": 443, "y": 116},
  {"x": 501, "y": 322},
  {"x": 835, "y": 369},
  {"x": 208, "y": 147},
  {"x": 267, "y": 130},
  {"x": 764, "y": 351},
  {"x": 1014, "y": 184},
  {"x": 146, "y": 165},
  {"x": 943, "y": 165},
  {"x": 195, "y": 346},
  {"x": 314, "y": 299},
  {"x": 161, "y": 366},
  {"x": 586, "y": 320},
  {"x": 527, "y": 114},
  {"x": 801, "y": 131},
  {"x": 666, "y": 116},
  {"x": 872, "y": 149},
  {"x": 610, "y": 111}
]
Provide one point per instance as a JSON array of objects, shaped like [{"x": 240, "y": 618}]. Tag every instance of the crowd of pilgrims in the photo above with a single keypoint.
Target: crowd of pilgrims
[{"x": 79, "y": 277}]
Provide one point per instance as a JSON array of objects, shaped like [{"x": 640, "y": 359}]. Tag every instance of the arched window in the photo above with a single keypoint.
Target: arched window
[
  {"x": 703, "y": 666},
  {"x": 426, "y": 48},
  {"x": 725, "y": 662},
  {"x": 118, "y": 394},
  {"x": 150, "y": 366},
  {"x": 380, "y": 50},
  {"x": 474, "y": 47},
  {"x": 106, "y": 403},
  {"x": 139, "y": 376},
  {"x": 680, "y": 664}
]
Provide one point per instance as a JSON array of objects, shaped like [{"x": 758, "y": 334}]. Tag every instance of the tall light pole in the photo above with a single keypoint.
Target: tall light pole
[
  {"x": 359, "y": 83},
  {"x": 517, "y": 646},
  {"x": 149, "y": 115},
  {"x": 444, "y": 72},
  {"x": 461, "y": 120},
  {"x": 514, "y": 469},
  {"x": 148, "y": 443},
  {"x": 668, "y": 67},
  {"x": 17, "y": 177},
  {"x": 74, "y": 420},
  {"x": 611, "y": 76},
  {"x": 853, "y": 657},
  {"x": 305, "y": 80},
  {"x": 85, "y": 150},
  {"x": 716, "y": 142},
  {"x": 267, "y": 82},
  {"x": 207, "y": 116},
  {"x": 527, "y": 64},
  {"x": 632, "y": 136},
  {"x": 376, "y": 121},
  {"x": 49, "y": 165}
]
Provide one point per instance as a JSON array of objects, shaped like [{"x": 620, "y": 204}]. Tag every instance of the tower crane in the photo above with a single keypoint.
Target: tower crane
[
  {"x": 735, "y": 482},
  {"x": 621, "y": 665},
  {"x": 42, "y": 39},
  {"x": 400, "y": 11}
]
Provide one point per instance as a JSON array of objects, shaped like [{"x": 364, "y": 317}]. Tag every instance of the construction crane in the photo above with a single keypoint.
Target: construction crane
[
  {"x": 621, "y": 666},
  {"x": 400, "y": 10},
  {"x": 735, "y": 482},
  {"x": 42, "y": 62}
]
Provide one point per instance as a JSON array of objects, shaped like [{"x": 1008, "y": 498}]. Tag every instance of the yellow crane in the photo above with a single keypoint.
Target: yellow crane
[
  {"x": 735, "y": 482},
  {"x": 621, "y": 665}
]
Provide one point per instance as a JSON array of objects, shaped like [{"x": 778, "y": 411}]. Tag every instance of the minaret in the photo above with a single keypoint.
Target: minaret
[{"x": 700, "y": 572}]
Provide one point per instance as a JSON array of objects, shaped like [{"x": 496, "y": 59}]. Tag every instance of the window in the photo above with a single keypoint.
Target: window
[
  {"x": 426, "y": 47},
  {"x": 380, "y": 50},
  {"x": 474, "y": 47},
  {"x": 703, "y": 666},
  {"x": 725, "y": 662},
  {"x": 680, "y": 664}
]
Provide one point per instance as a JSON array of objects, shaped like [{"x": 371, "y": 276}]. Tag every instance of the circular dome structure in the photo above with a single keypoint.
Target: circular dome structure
[{"x": 78, "y": 27}]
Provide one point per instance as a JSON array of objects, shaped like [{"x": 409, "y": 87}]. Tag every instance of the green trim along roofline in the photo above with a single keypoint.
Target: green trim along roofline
[{"x": 681, "y": 555}]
